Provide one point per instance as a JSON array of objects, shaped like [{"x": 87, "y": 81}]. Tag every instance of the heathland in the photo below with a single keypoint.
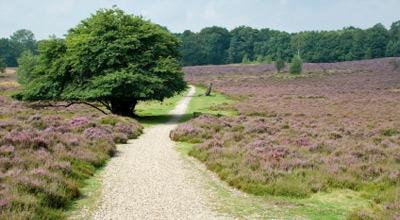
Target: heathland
[
  {"x": 307, "y": 140},
  {"x": 48, "y": 152},
  {"x": 334, "y": 127}
]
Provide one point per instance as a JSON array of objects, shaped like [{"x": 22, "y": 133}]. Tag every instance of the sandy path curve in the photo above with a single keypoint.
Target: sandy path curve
[{"x": 149, "y": 180}]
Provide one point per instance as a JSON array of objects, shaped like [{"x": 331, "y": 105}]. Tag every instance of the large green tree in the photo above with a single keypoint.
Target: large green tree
[
  {"x": 191, "y": 51},
  {"x": 12, "y": 48},
  {"x": 8, "y": 52},
  {"x": 214, "y": 43},
  {"x": 113, "y": 58},
  {"x": 393, "y": 47},
  {"x": 24, "y": 40},
  {"x": 377, "y": 39},
  {"x": 242, "y": 44}
]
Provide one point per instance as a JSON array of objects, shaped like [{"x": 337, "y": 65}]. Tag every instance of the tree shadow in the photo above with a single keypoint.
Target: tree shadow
[{"x": 164, "y": 118}]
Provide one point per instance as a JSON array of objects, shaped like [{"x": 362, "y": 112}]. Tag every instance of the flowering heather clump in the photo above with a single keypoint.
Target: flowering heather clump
[
  {"x": 7, "y": 150},
  {"x": 45, "y": 154},
  {"x": 71, "y": 139},
  {"x": 28, "y": 139},
  {"x": 186, "y": 132},
  {"x": 120, "y": 138},
  {"x": 129, "y": 129},
  {"x": 335, "y": 126},
  {"x": 97, "y": 133},
  {"x": 78, "y": 121}
]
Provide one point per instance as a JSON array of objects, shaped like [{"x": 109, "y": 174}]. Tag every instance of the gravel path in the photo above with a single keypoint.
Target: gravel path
[{"x": 148, "y": 179}]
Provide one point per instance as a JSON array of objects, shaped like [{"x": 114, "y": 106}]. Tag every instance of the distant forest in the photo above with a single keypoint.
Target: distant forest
[{"x": 216, "y": 45}]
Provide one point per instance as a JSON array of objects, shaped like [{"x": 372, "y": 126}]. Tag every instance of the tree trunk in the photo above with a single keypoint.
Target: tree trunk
[
  {"x": 123, "y": 107},
  {"x": 208, "y": 92}
]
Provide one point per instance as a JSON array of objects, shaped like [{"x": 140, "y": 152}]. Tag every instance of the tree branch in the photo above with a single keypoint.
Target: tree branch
[
  {"x": 105, "y": 104},
  {"x": 70, "y": 104},
  {"x": 93, "y": 106}
]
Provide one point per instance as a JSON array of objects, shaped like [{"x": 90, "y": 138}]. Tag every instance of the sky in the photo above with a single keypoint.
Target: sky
[{"x": 47, "y": 17}]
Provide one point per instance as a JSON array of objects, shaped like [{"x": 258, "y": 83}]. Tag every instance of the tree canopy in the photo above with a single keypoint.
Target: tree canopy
[{"x": 113, "y": 58}]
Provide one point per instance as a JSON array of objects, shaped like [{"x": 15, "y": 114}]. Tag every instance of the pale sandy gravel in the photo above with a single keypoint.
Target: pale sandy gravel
[{"x": 149, "y": 179}]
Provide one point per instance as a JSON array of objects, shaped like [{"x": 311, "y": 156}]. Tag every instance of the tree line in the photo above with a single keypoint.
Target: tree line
[{"x": 217, "y": 45}]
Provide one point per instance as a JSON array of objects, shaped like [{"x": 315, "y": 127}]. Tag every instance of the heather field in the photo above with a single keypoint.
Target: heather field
[
  {"x": 335, "y": 126},
  {"x": 47, "y": 153}
]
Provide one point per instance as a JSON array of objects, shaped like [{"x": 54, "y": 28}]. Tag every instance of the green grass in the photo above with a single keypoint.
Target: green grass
[
  {"x": 156, "y": 112},
  {"x": 80, "y": 209},
  {"x": 336, "y": 204},
  {"x": 216, "y": 103}
]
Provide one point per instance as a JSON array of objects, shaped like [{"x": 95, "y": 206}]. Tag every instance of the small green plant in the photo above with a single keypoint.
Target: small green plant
[
  {"x": 260, "y": 59},
  {"x": 246, "y": 59},
  {"x": 2, "y": 66},
  {"x": 286, "y": 126},
  {"x": 264, "y": 59},
  {"x": 279, "y": 65},
  {"x": 389, "y": 132},
  {"x": 267, "y": 59},
  {"x": 296, "y": 66}
]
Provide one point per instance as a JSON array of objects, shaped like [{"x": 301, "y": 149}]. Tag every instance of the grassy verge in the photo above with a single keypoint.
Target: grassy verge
[
  {"x": 155, "y": 112},
  {"x": 90, "y": 192},
  {"x": 216, "y": 104}
]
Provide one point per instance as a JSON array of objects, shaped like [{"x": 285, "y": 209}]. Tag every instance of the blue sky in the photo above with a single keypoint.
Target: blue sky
[{"x": 46, "y": 17}]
